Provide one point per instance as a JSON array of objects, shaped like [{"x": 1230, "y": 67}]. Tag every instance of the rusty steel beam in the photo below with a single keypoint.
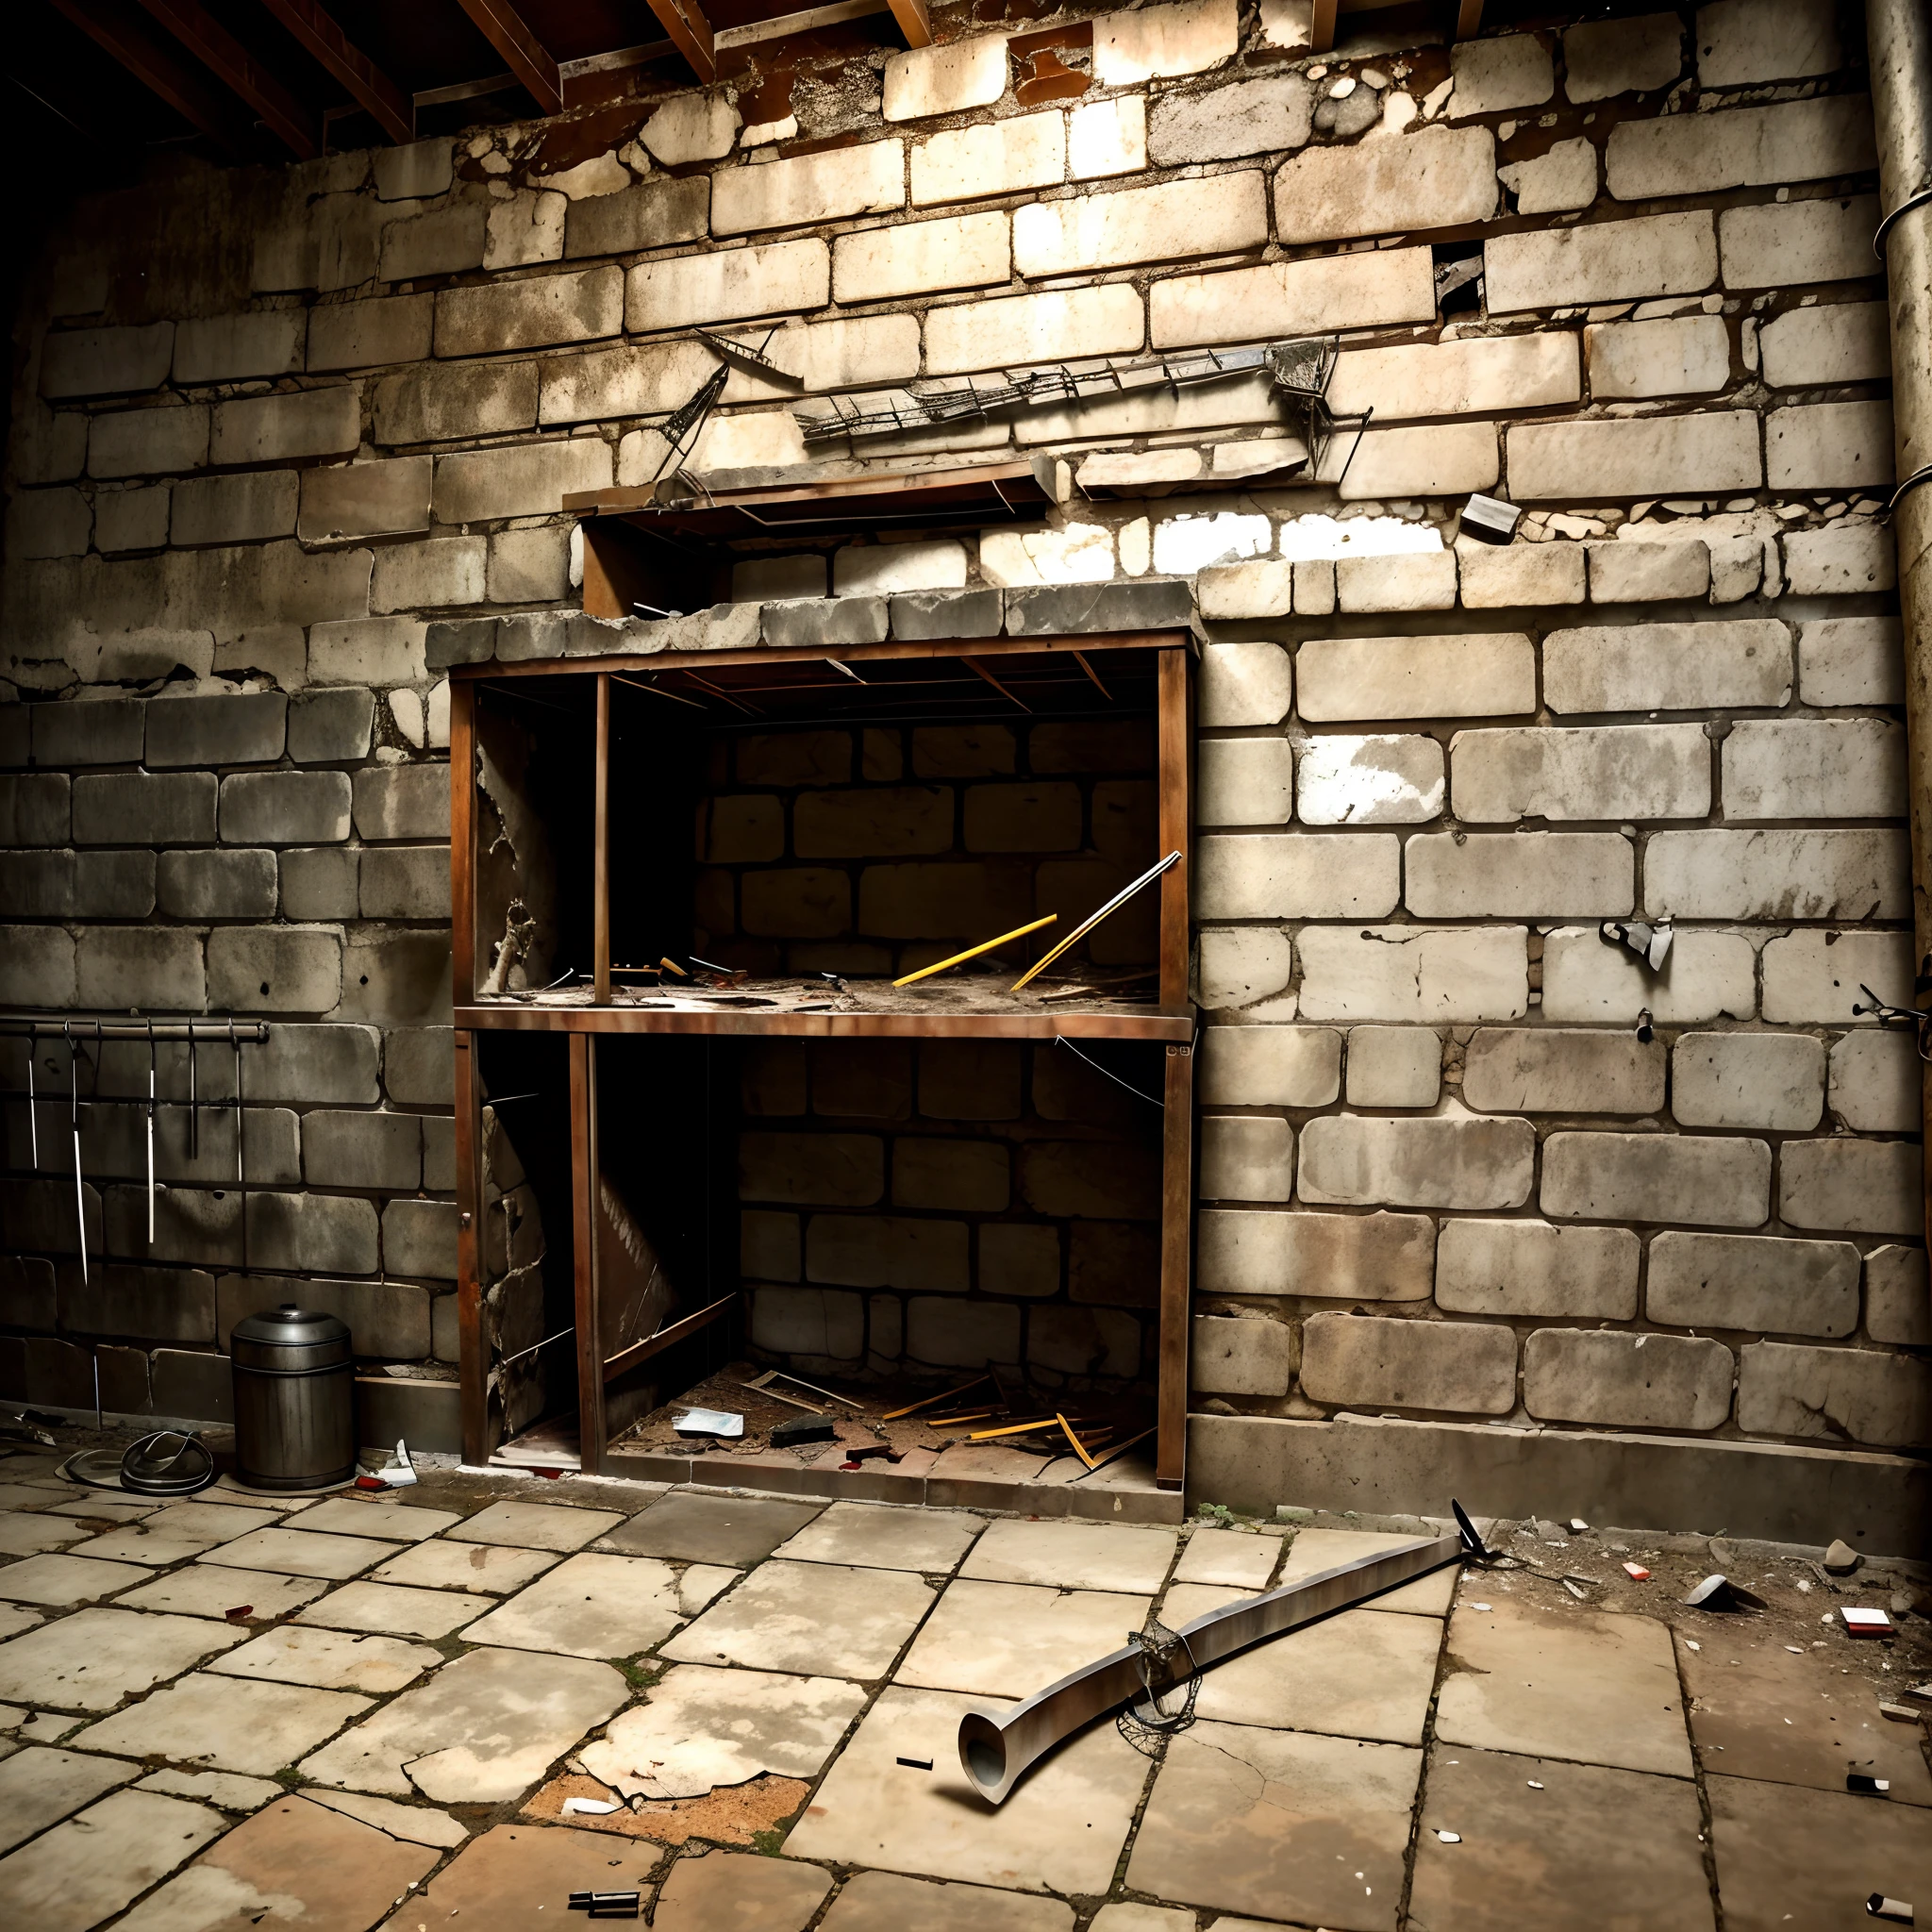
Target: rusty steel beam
[
  {"x": 235, "y": 67},
  {"x": 318, "y": 33},
  {"x": 157, "y": 69},
  {"x": 529, "y": 59},
  {"x": 689, "y": 32}
]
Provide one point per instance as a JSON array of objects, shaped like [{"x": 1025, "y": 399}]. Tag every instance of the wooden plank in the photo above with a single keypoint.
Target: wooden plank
[
  {"x": 513, "y": 1016},
  {"x": 462, "y": 840},
  {"x": 689, "y": 32},
  {"x": 1322, "y": 27},
  {"x": 915, "y": 22},
  {"x": 1174, "y": 747},
  {"x": 1176, "y": 1246},
  {"x": 111, "y": 29},
  {"x": 299, "y": 129},
  {"x": 600, "y": 857},
  {"x": 527, "y": 56},
  {"x": 658, "y": 663},
  {"x": 318, "y": 32},
  {"x": 583, "y": 1211},
  {"x": 1468, "y": 19},
  {"x": 665, "y": 1338},
  {"x": 473, "y": 1369}
]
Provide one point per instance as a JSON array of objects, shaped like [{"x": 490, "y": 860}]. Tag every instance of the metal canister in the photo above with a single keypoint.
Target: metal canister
[{"x": 294, "y": 1399}]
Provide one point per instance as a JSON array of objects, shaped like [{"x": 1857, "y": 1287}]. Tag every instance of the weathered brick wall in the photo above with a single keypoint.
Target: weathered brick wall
[{"x": 263, "y": 499}]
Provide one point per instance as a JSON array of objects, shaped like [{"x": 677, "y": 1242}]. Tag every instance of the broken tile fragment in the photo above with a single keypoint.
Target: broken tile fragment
[
  {"x": 72, "y": 1877},
  {"x": 389, "y": 1611},
  {"x": 93, "y": 1660},
  {"x": 226, "y": 1723},
  {"x": 504, "y": 1877},
  {"x": 416, "y": 1825},
  {"x": 818, "y": 1619},
  {"x": 402, "y": 1522},
  {"x": 330, "y": 1661},
  {"x": 495, "y": 1569},
  {"x": 1009, "y": 1640},
  {"x": 227, "y": 1790},
  {"x": 41, "y": 1786},
  {"x": 602, "y": 1605},
  {"x": 1227, "y": 1556},
  {"x": 716, "y": 1889},
  {"x": 536, "y": 1525}
]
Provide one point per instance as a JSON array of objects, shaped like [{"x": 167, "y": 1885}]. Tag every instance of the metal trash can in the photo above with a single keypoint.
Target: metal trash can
[{"x": 294, "y": 1399}]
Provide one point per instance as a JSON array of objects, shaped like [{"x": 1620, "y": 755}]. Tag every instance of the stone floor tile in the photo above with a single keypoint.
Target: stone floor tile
[
  {"x": 1125, "y": 1916},
  {"x": 482, "y": 1731},
  {"x": 293, "y": 1863},
  {"x": 227, "y": 1790},
  {"x": 1281, "y": 1824},
  {"x": 987, "y": 1463},
  {"x": 517, "y": 1877},
  {"x": 820, "y": 1620},
  {"x": 877, "y": 1536},
  {"x": 886, "y": 1902},
  {"x": 214, "y": 1591},
  {"x": 536, "y": 1525},
  {"x": 301, "y": 1553},
  {"x": 598, "y": 1605},
  {"x": 698, "y": 1728},
  {"x": 46, "y": 1727},
  {"x": 698, "y": 1528},
  {"x": 1758, "y": 1712},
  {"x": 1060, "y": 1831},
  {"x": 1009, "y": 1640},
  {"x": 226, "y": 1723},
  {"x": 39, "y": 1786},
  {"x": 416, "y": 1825},
  {"x": 1789, "y": 1857},
  {"x": 719, "y": 1891},
  {"x": 1228, "y": 1555},
  {"x": 1591, "y": 1851},
  {"x": 1322, "y": 1549},
  {"x": 1350, "y": 1675},
  {"x": 329, "y": 1660},
  {"x": 102, "y": 1506},
  {"x": 495, "y": 1569},
  {"x": 389, "y": 1610},
  {"x": 26, "y": 1536},
  {"x": 215, "y": 1521},
  {"x": 1184, "y": 1602},
  {"x": 134, "y": 1542},
  {"x": 61, "y": 1582},
  {"x": 14, "y": 1620},
  {"x": 396, "y": 1523},
  {"x": 71, "y": 1878},
  {"x": 1587, "y": 1686},
  {"x": 16, "y": 1496},
  {"x": 93, "y": 1660},
  {"x": 1072, "y": 1556}
]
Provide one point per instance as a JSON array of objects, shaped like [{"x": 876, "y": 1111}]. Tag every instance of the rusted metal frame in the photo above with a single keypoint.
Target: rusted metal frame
[
  {"x": 689, "y": 32},
  {"x": 462, "y": 840},
  {"x": 600, "y": 857},
  {"x": 1177, "y": 1247},
  {"x": 513, "y": 1016},
  {"x": 472, "y": 1369},
  {"x": 1321, "y": 27},
  {"x": 532, "y": 62},
  {"x": 318, "y": 32},
  {"x": 852, "y": 654},
  {"x": 156, "y": 69},
  {"x": 584, "y": 1213},
  {"x": 627, "y": 1358},
  {"x": 915, "y": 22},
  {"x": 235, "y": 67}
]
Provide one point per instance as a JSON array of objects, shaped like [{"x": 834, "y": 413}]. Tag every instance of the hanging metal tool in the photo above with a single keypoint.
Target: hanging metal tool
[
  {"x": 685, "y": 422},
  {"x": 150, "y": 1133},
  {"x": 74, "y": 1122},
  {"x": 240, "y": 1178},
  {"x": 193, "y": 1101},
  {"x": 33, "y": 1112}
]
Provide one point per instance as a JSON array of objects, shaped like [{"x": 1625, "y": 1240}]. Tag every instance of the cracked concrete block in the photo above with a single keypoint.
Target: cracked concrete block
[
  {"x": 1783, "y": 243},
  {"x": 809, "y": 189},
  {"x": 1393, "y": 1066},
  {"x": 137, "y": 809},
  {"x": 1644, "y": 257},
  {"x": 216, "y": 885},
  {"x": 276, "y": 428},
  {"x": 1821, "y": 347},
  {"x": 1710, "y": 975},
  {"x": 655, "y": 214},
  {"x": 724, "y": 285},
  {"x": 1245, "y": 684},
  {"x": 1263, "y": 588},
  {"x": 105, "y": 361},
  {"x": 1741, "y": 147},
  {"x": 532, "y": 313},
  {"x": 1450, "y": 1160},
  {"x": 1240, "y": 1356},
  {"x": 1098, "y": 321},
  {"x": 330, "y": 727},
  {"x": 1272, "y": 115},
  {"x": 1865, "y": 1187},
  {"x": 345, "y": 503},
  {"x": 1410, "y": 973},
  {"x": 1378, "y": 1256},
  {"x": 1836, "y": 768},
  {"x": 1777, "y": 875},
  {"x": 1600, "y": 772},
  {"x": 247, "y": 728},
  {"x": 417, "y": 577},
  {"x": 1683, "y": 355},
  {"x": 1482, "y": 372},
  {"x": 1558, "y": 1070},
  {"x": 1647, "y": 572},
  {"x": 443, "y": 242},
  {"x": 284, "y": 809},
  {"x": 1492, "y": 74},
  {"x": 945, "y": 80},
  {"x": 1706, "y": 1183},
  {"x": 371, "y": 334},
  {"x": 1478, "y": 674},
  {"x": 1420, "y": 580},
  {"x": 440, "y": 404},
  {"x": 1244, "y": 781},
  {"x": 1851, "y": 660},
  {"x": 1246, "y": 1159},
  {"x": 131, "y": 519},
  {"x": 227, "y": 348},
  {"x": 1712, "y": 451},
  {"x": 1455, "y": 1367},
  {"x": 529, "y": 566},
  {"x": 1743, "y": 42},
  {"x": 160, "y": 441},
  {"x": 690, "y": 127},
  {"x": 1224, "y": 214},
  {"x": 1876, "y": 1083},
  {"x": 1269, "y": 1066},
  {"x": 1556, "y": 182},
  {"x": 1754, "y": 1283},
  {"x": 1670, "y": 667},
  {"x": 1520, "y": 875},
  {"x": 403, "y": 802},
  {"x": 1626, "y": 1381},
  {"x": 1358, "y": 291},
  {"x": 1164, "y": 43},
  {"x": 231, "y": 509},
  {"x": 1603, "y": 59},
  {"x": 419, "y": 171},
  {"x": 157, "y": 969},
  {"x": 1439, "y": 178},
  {"x": 879, "y": 570},
  {"x": 281, "y": 969},
  {"x": 1520, "y": 1267},
  {"x": 396, "y": 977},
  {"x": 520, "y": 480},
  {"x": 1298, "y": 875},
  {"x": 1847, "y": 560},
  {"x": 937, "y": 614},
  {"x": 997, "y": 157},
  {"x": 964, "y": 252},
  {"x": 1830, "y": 446},
  {"x": 1834, "y": 1394},
  {"x": 1897, "y": 1307},
  {"x": 1368, "y": 781},
  {"x": 1767, "y": 1080},
  {"x": 419, "y": 1066}
]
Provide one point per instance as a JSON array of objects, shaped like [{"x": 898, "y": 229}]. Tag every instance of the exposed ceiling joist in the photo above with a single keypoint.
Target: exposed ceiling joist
[
  {"x": 184, "y": 90},
  {"x": 1321, "y": 25},
  {"x": 528, "y": 58},
  {"x": 235, "y": 67},
  {"x": 318, "y": 32},
  {"x": 1468, "y": 19},
  {"x": 915, "y": 22},
  {"x": 689, "y": 32}
]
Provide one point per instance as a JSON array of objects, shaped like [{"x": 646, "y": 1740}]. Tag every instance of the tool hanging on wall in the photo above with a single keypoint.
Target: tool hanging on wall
[
  {"x": 150, "y": 1134},
  {"x": 73, "y": 1123},
  {"x": 193, "y": 1104},
  {"x": 240, "y": 1178},
  {"x": 33, "y": 1116}
]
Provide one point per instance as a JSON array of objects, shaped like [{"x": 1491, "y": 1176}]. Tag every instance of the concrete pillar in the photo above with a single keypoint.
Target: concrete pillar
[{"x": 1900, "y": 34}]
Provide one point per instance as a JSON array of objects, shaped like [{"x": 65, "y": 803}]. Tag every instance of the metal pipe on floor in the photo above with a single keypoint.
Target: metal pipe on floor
[{"x": 1899, "y": 33}]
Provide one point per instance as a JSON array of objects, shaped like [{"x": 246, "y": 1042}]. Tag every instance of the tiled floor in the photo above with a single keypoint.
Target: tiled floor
[{"x": 365, "y": 1713}]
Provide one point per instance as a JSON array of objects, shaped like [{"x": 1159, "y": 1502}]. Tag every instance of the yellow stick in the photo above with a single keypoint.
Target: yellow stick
[
  {"x": 1045, "y": 1421},
  {"x": 974, "y": 952},
  {"x": 927, "y": 1401},
  {"x": 1079, "y": 1447},
  {"x": 1093, "y": 919}
]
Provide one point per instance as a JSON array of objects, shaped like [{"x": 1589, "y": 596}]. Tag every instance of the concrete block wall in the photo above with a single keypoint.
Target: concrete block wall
[{"x": 322, "y": 461}]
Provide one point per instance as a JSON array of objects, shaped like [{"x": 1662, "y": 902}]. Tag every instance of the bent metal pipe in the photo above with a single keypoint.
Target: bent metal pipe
[{"x": 996, "y": 1749}]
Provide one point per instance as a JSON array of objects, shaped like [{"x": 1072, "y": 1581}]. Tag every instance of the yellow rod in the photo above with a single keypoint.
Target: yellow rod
[
  {"x": 927, "y": 1401},
  {"x": 1079, "y": 1448},
  {"x": 1045, "y": 1421},
  {"x": 1093, "y": 919},
  {"x": 974, "y": 952}
]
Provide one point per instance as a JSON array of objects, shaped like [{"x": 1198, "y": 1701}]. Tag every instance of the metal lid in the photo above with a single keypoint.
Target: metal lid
[{"x": 289, "y": 1338}]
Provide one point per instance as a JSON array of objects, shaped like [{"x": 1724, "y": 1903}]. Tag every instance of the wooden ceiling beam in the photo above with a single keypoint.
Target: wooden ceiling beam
[
  {"x": 235, "y": 67},
  {"x": 1468, "y": 19},
  {"x": 915, "y": 22},
  {"x": 528, "y": 58},
  {"x": 158, "y": 69},
  {"x": 318, "y": 33},
  {"x": 1321, "y": 27},
  {"x": 689, "y": 32}
]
